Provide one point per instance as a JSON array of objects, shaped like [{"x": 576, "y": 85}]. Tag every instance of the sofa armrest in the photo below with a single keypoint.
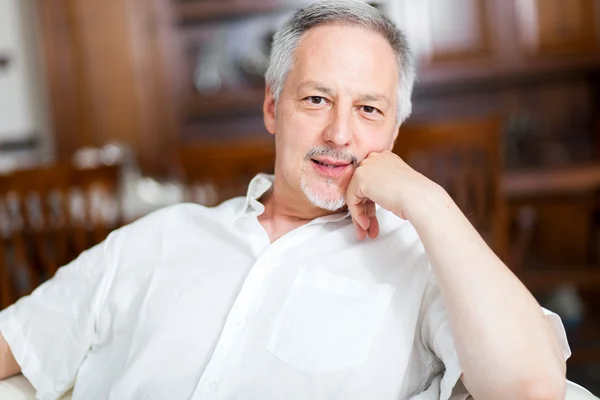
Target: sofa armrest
[
  {"x": 16, "y": 388},
  {"x": 19, "y": 388},
  {"x": 576, "y": 392}
]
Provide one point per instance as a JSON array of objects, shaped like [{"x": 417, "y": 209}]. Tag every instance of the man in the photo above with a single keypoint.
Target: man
[{"x": 286, "y": 293}]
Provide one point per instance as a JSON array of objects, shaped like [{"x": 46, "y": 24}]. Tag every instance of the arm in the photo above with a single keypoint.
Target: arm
[
  {"x": 505, "y": 346},
  {"x": 499, "y": 329},
  {"x": 8, "y": 365}
]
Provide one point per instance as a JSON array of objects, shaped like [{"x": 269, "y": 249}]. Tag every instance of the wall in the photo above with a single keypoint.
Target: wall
[{"x": 23, "y": 108}]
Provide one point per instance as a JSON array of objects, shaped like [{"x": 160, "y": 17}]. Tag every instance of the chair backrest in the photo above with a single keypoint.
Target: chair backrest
[
  {"x": 464, "y": 157},
  {"x": 48, "y": 216},
  {"x": 215, "y": 172}
]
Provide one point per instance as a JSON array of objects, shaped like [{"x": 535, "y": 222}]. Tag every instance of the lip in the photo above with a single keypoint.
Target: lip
[
  {"x": 339, "y": 167},
  {"x": 335, "y": 163}
]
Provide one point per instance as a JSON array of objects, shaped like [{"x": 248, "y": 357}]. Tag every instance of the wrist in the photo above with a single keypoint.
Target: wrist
[{"x": 430, "y": 206}]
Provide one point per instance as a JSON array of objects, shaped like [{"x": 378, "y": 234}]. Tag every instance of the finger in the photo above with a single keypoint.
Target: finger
[
  {"x": 370, "y": 208},
  {"x": 373, "y": 230},
  {"x": 356, "y": 206},
  {"x": 361, "y": 233}
]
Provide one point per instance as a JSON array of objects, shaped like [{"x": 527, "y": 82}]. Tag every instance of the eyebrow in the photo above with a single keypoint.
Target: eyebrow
[
  {"x": 374, "y": 98},
  {"x": 317, "y": 86}
]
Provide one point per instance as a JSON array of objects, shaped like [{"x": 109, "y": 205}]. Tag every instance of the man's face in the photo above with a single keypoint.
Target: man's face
[{"x": 338, "y": 105}]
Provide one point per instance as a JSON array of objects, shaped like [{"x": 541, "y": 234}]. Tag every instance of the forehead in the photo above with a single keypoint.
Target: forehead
[{"x": 346, "y": 54}]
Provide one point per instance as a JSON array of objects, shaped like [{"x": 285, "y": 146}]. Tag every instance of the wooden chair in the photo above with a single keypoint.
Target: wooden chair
[
  {"x": 47, "y": 217},
  {"x": 215, "y": 172},
  {"x": 464, "y": 157}
]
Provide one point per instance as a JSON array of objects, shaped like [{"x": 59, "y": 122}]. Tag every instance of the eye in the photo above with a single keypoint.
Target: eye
[
  {"x": 316, "y": 100},
  {"x": 370, "y": 110}
]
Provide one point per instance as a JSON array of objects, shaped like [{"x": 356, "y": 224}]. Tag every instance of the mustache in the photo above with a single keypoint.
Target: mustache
[{"x": 337, "y": 154}]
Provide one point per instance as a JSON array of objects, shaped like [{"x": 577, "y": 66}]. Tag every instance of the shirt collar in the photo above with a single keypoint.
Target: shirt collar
[{"x": 260, "y": 185}]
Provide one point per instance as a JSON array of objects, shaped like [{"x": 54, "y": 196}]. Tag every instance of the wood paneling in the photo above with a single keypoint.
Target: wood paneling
[
  {"x": 135, "y": 82},
  {"x": 550, "y": 27},
  {"x": 63, "y": 70},
  {"x": 562, "y": 231},
  {"x": 209, "y": 10},
  {"x": 464, "y": 157},
  {"x": 107, "y": 80},
  {"x": 575, "y": 179}
]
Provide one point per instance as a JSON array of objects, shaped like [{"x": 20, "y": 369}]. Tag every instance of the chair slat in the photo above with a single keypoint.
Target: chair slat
[
  {"x": 48, "y": 221},
  {"x": 470, "y": 153}
]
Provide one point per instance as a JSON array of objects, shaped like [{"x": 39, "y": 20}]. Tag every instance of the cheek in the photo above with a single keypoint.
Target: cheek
[
  {"x": 300, "y": 135},
  {"x": 374, "y": 141}
]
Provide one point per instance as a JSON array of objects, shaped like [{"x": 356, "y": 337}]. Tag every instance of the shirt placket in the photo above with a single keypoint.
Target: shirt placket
[{"x": 244, "y": 310}]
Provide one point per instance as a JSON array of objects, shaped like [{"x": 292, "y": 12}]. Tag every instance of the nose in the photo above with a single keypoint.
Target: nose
[{"x": 340, "y": 131}]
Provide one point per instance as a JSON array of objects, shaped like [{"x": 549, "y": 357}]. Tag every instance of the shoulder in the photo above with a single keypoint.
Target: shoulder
[
  {"x": 165, "y": 216},
  {"x": 150, "y": 232}
]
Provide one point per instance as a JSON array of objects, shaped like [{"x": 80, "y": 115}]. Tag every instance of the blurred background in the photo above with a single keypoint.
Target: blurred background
[{"x": 111, "y": 109}]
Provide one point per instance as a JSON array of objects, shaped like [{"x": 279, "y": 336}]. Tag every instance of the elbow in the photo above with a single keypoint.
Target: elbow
[{"x": 549, "y": 388}]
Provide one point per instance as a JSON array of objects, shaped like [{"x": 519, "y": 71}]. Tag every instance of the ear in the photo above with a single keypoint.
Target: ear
[{"x": 269, "y": 111}]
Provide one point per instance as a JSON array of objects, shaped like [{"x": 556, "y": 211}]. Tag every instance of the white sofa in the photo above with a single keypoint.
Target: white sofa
[{"x": 19, "y": 388}]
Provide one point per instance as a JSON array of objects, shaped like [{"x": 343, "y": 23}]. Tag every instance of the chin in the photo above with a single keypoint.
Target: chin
[{"x": 330, "y": 198}]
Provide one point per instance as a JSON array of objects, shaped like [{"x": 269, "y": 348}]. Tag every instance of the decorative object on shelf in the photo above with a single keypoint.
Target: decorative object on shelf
[
  {"x": 208, "y": 73},
  {"x": 254, "y": 63},
  {"x": 234, "y": 56},
  {"x": 4, "y": 61},
  {"x": 566, "y": 301}
]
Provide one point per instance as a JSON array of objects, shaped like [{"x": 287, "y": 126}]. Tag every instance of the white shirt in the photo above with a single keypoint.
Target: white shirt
[{"x": 196, "y": 303}]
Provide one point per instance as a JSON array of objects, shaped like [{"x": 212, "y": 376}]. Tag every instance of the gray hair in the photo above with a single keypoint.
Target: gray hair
[{"x": 352, "y": 12}]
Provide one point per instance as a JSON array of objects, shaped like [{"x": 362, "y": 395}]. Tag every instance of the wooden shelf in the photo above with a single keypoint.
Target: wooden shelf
[
  {"x": 538, "y": 281},
  {"x": 567, "y": 180},
  {"x": 249, "y": 101},
  {"x": 189, "y": 11}
]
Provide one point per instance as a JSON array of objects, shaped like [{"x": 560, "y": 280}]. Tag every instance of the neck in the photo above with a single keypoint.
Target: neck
[{"x": 286, "y": 210}]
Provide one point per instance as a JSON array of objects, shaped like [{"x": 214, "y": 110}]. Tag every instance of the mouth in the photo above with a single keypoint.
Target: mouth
[
  {"x": 330, "y": 164},
  {"x": 330, "y": 168}
]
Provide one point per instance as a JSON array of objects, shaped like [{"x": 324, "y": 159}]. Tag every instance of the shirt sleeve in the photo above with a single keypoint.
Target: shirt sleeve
[
  {"x": 438, "y": 338},
  {"x": 51, "y": 330}
]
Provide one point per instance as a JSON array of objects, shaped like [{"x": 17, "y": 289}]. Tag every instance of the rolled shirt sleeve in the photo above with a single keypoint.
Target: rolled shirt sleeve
[
  {"x": 438, "y": 337},
  {"x": 51, "y": 330}
]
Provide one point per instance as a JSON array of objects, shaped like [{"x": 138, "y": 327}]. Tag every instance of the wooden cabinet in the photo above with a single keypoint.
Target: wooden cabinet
[
  {"x": 107, "y": 76},
  {"x": 175, "y": 70},
  {"x": 555, "y": 27},
  {"x": 209, "y": 10},
  {"x": 468, "y": 40}
]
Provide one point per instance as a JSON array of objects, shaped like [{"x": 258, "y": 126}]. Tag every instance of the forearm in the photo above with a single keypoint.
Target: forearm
[
  {"x": 504, "y": 343},
  {"x": 8, "y": 364}
]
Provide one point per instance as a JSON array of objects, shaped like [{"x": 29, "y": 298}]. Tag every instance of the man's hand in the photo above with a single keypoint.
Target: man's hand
[
  {"x": 505, "y": 345},
  {"x": 385, "y": 179}
]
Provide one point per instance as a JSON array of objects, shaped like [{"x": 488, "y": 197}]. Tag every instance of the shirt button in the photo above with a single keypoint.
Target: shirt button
[{"x": 213, "y": 385}]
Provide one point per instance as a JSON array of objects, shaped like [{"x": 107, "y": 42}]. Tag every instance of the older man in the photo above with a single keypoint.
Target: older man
[{"x": 281, "y": 295}]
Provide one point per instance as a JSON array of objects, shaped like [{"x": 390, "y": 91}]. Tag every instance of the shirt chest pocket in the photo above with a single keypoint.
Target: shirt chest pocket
[{"x": 328, "y": 322}]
